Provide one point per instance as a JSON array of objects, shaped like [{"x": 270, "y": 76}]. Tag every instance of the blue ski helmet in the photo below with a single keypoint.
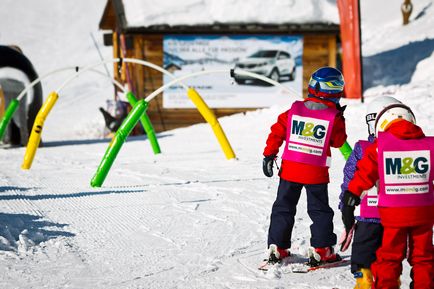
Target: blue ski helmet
[{"x": 327, "y": 83}]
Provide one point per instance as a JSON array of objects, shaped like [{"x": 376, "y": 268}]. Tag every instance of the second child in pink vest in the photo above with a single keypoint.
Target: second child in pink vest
[
  {"x": 402, "y": 161},
  {"x": 368, "y": 232}
]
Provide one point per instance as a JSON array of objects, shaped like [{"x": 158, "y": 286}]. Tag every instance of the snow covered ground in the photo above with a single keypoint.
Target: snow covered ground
[
  {"x": 187, "y": 218},
  {"x": 145, "y": 13}
]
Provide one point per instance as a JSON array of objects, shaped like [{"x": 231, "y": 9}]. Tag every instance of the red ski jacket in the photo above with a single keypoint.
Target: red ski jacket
[
  {"x": 366, "y": 176},
  {"x": 299, "y": 172}
]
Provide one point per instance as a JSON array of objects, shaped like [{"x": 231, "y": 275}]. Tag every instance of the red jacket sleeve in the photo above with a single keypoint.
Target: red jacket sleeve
[
  {"x": 277, "y": 135},
  {"x": 339, "y": 134},
  {"x": 366, "y": 174}
]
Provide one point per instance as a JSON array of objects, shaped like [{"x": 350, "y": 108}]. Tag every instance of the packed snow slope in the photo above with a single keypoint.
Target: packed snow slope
[{"x": 187, "y": 218}]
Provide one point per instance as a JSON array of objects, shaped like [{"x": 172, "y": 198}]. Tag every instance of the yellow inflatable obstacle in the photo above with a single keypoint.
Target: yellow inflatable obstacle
[
  {"x": 35, "y": 136},
  {"x": 210, "y": 118}
]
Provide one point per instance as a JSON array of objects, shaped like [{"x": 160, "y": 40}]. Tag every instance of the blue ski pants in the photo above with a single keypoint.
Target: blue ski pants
[
  {"x": 367, "y": 239},
  {"x": 285, "y": 208}
]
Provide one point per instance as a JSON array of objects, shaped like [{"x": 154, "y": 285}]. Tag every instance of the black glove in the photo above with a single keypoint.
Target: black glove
[
  {"x": 348, "y": 217},
  {"x": 267, "y": 165},
  {"x": 350, "y": 201}
]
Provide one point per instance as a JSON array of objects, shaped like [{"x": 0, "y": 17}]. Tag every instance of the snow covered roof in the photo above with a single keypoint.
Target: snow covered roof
[{"x": 145, "y": 13}]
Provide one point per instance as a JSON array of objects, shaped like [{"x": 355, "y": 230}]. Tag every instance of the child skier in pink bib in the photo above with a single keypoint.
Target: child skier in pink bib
[
  {"x": 401, "y": 160},
  {"x": 368, "y": 231},
  {"x": 309, "y": 128}
]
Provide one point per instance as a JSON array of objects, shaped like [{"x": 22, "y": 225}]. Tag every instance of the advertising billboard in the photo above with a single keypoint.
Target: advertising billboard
[{"x": 278, "y": 57}]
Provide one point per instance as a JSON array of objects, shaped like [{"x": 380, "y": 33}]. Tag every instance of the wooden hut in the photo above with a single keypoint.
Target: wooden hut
[{"x": 145, "y": 41}]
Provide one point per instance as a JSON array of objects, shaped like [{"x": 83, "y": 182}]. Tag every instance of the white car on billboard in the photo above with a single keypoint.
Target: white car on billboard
[{"x": 272, "y": 63}]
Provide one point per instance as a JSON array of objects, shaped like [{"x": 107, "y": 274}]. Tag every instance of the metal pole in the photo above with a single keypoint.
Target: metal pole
[{"x": 99, "y": 53}]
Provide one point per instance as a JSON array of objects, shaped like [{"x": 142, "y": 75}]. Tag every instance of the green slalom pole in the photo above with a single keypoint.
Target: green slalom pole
[
  {"x": 9, "y": 113},
  {"x": 346, "y": 150},
  {"x": 147, "y": 125},
  {"x": 118, "y": 140}
]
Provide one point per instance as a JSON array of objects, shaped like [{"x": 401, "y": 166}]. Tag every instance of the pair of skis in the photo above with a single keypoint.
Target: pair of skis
[{"x": 298, "y": 264}]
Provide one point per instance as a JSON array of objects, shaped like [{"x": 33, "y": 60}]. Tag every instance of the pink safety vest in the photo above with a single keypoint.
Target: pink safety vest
[
  {"x": 406, "y": 171},
  {"x": 308, "y": 134},
  {"x": 368, "y": 204}
]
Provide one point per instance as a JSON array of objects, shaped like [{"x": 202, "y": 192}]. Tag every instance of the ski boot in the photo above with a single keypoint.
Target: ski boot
[
  {"x": 318, "y": 256},
  {"x": 363, "y": 279},
  {"x": 276, "y": 254}
]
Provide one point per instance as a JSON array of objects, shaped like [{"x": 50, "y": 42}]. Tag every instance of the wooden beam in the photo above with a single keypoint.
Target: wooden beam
[
  {"x": 116, "y": 54},
  {"x": 332, "y": 51},
  {"x": 139, "y": 70}
]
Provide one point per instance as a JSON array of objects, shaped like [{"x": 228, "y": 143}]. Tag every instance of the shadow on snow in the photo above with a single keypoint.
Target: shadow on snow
[
  {"x": 33, "y": 227},
  {"x": 64, "y": 196},
  {"x": 422, "y": 13},
  {"x": 13, "y": 188},
  {"x": 96, "y": 141},
  {"x": 395, "y": 67}
]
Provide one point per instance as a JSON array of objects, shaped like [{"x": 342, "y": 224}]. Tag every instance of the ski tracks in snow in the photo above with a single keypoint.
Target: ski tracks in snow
[{"x": 152, "y": 220}]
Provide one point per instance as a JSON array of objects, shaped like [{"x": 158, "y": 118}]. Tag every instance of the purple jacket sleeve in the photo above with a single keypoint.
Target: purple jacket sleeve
[{"x": 349, "y": 169}]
